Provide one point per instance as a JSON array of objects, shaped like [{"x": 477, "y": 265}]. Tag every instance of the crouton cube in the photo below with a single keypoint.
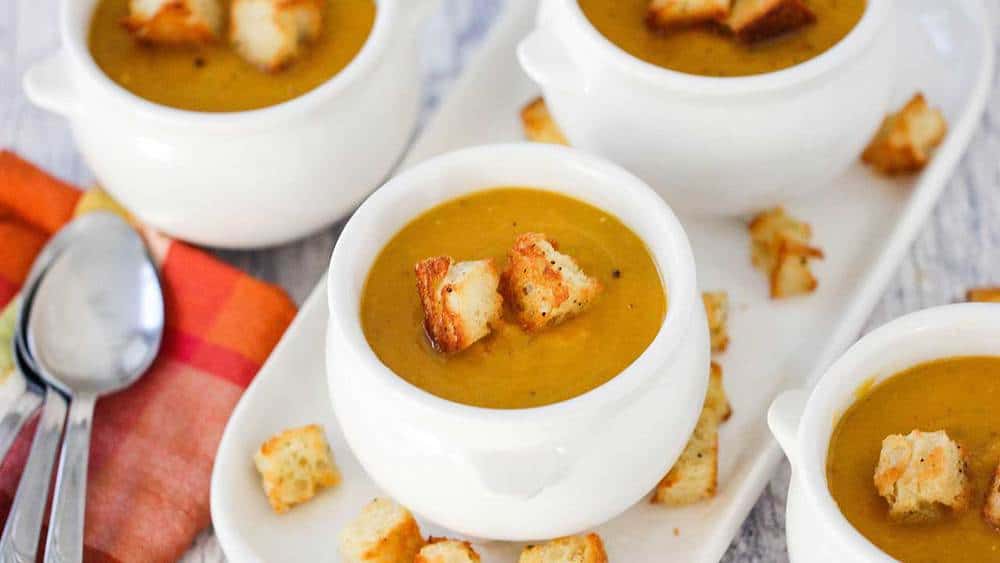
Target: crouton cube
[
  {"x": 294, "y": 465},
  {"x": 906, "y": 139},
  {"x": 756, "y": 20},
  {"x": 271, "y": 33},
  {"x": 573, "y": 549},
  {"x": 174, "y": 21},
  {"x": 442, "y": 550},
  {"x": 539, "y": 125},
  {"x": 921, "y": 474},
  {"x": 991, "y": 510},
  {"x": 984, "y": 295},
  {"x": 460, "y": 301},
  {"x": 384, "y": 532},
  {"x": 694, "y": 477},
  {"x": 717, "y": 309},
  {"x": 544, "y": 286},
  {"x": 664, "y": 15},
  {"x": 780, "y": 248}
]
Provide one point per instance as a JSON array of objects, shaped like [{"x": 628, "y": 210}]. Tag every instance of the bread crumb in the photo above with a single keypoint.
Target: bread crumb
[
  {"x": 780, "y": 248},
  {"x": 174, "y": 21},
  {"x": 539, "y": 125},
  {"x": 920, "y": 474},
  {"x": 573, "y": 549},
  {"x": 460, "y": 301},
  {"x": 271, "y": 33},
  {"x": 295, "y": 465},
  {"x": 384, "y": 532},
  {"x": 907, "y": 138}
]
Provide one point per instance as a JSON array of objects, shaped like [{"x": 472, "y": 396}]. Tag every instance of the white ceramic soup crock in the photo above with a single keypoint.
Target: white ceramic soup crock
[
  {"x": 803, "y": 423},
  {"x": 714, "y": 145},
  {"x": 241, "y": 179},
  {"x": 532, "y": 473}
]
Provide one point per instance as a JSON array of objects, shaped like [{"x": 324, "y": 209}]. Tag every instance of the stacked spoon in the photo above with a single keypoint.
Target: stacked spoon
[{"x": 90, "y": 324}]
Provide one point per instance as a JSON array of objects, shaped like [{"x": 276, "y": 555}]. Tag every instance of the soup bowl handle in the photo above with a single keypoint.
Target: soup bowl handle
[
  {"x": 547, "y": 60},
  {"x": 784, "y": 417},
  {"x": 48, "y": 84}
]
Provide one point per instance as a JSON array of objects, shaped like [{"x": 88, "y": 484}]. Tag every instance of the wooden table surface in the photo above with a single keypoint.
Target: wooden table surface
[{"x": 959, "y": 247}]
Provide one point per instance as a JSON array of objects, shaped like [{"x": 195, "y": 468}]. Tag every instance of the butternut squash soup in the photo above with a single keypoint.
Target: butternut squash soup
[
  {"x": 709, "y": 51},
  {"x": 213, "y": 77},
  {"x": 958, "y": 395},
  {"x": 512, "y": 368}
]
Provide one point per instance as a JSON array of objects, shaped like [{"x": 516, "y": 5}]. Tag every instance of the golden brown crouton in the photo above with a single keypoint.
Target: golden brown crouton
[
  {"x": 991, "y": 510},
  {"x": 717, "y": 310},
  {"x": 904, "y": 142},
  {"x": 544, "y": 286},
  {"x": 780, "y": 248},
  {"x": 460, "y": 301},
  {"x": 694, "y": 477},
  {"x": 573, "y": 549},
  {"x": 755, "y": 20},
  {"x": 984, "y": 295},
  {"x": 174, "y": 21},
  {"x": 384, "y": 532},
  {"x": 920, "y": 474},
  {"x": 539, "y": 125},
  {"x": 442, "y": 550},
  {"x": 294, "y": 465},
  {"x": 664, "y": 15},
  {"x": 270, "y": 33}
]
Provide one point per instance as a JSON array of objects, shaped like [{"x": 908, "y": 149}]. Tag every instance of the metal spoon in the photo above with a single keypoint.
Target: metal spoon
[
  {"x": 19, "y": 542},
  {"x": 94, "y": 327},
  {"x": 31, "y": 398}
]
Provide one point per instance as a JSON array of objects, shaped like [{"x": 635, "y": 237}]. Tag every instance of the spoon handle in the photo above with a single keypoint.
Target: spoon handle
[
  {"x": 11, "y": 423},
  {"x": 19, "y": 542},
  {"x": 65, "y": 541}
]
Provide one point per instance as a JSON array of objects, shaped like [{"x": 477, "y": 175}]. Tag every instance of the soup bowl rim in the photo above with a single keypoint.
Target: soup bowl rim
[
  {"x": 75, "y": 21},
  {"x": 675, "y": 268},
  {"x": 816, "y": 429},
  {"x": 875, "y": 14}
]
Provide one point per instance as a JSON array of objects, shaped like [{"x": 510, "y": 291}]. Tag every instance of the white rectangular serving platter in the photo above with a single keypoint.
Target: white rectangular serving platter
[{"x": 863, "y": 222}]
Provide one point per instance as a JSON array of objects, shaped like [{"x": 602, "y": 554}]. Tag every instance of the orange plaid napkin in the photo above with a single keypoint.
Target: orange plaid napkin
[{"x": 154, "y": 443}]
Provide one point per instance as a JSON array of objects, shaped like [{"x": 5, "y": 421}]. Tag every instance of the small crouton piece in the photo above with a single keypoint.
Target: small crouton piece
[
  {"x": 717, "y": 310},
  {"x": 271, "y": 33},
  {"x": 756, "y": 20},
  {"x": 174, "y": 21},
  {"x": 780, "y": 248},
  {"x": 544, "y": 286},
  {"x": 460, "y": 301},
  {"x": 384, "y": 532},
  {"x": 442, "y": 550},
  {"x": 984, "y": 295},
  {"x": 539, "y": 125},
  {"x": 573, "y": 549},
  {"x": 921, "y": 474},
  {"x": 991, "y": 510},
  {"x": 295, "y": 465},
  {"x": 695, "y": 475},
  {"x": 904, "y": 142},
  {"x": 665, "y": 15}
]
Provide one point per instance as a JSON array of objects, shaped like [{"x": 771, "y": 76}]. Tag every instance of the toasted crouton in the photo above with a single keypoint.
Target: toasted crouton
[
  {"x": 780, "y": 248},
  {"x": 294, "y": 465},
  {"x": 174, "y": 21},
  {"x": 573, "y": 549},
  {"x": 544, "y": 286},
  {"x": 984, "y": 295},
  {"x": 904, "y": 142},
  {"x": 539, "y": 125},
  {"x": 717, "y": 309},
  {"x": 665, "y": 15},
  {"x": 755, "y": 20},
  {"x": 694, "y": 477},
  {"x": 920, "y": 474},
  {"x": 991, "y": 510},
  {"x": 384, "y": 532},
  {"x": 270, "y": 33},
  {"x": 460, "y": 301},
  {"x": 441, "y": 550}
]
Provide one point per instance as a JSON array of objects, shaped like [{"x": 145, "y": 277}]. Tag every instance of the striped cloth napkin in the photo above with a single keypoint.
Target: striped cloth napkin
[{"x": 153, "y": 444}]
